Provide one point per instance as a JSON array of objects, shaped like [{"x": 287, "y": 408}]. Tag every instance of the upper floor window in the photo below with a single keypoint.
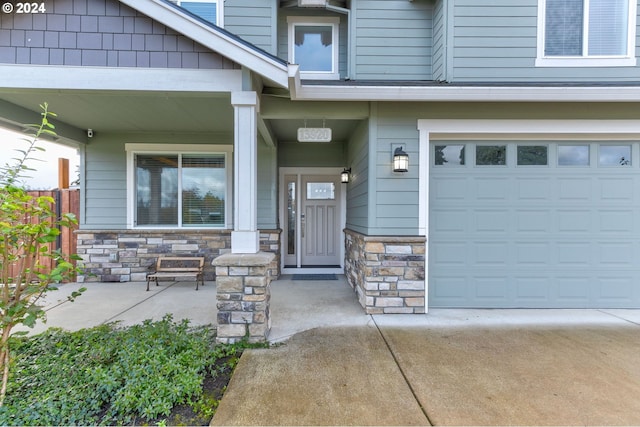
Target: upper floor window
[
  {"x": 577, "y": 33},
  {"x": 313, "y": 45},
  {"x": 209, "y": 10}
]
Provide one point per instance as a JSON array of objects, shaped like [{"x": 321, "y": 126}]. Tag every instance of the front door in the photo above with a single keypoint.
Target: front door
[
  {"x": 313, "y": 221},
  {"x": 320, "y": 221}
]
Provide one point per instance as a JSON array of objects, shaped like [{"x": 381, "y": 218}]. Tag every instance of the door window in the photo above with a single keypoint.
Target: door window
[{"x": 321, "y": 191}]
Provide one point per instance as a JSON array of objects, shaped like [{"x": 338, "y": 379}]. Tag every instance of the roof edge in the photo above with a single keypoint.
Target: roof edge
[{"x": 215, "y": 38}]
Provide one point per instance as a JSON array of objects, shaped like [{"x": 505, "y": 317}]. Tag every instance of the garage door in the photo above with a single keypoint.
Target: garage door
[{"x": 534, "y": 224}]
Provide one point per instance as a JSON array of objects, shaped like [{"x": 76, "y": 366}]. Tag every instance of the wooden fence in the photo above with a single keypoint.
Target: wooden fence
[{"x": 66, "y": 201}]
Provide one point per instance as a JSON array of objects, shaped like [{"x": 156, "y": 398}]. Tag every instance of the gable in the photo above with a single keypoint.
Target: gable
[{"x": 103, "y": 33}]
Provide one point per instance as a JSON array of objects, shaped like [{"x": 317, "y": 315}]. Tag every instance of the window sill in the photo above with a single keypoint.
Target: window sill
[{"x": 586, "y": 62}]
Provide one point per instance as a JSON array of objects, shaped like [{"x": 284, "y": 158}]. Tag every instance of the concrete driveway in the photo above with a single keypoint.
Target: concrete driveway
[
  {"x": 451, "y": 367},
  {"x": 338, "y": 366}
]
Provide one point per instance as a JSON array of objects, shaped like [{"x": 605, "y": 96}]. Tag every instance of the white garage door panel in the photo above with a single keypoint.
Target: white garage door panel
[{"x": 550, "y": 236}]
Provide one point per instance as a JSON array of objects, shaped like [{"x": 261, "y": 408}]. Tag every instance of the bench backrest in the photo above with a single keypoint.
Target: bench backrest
[{"x": 180, "y": 264}]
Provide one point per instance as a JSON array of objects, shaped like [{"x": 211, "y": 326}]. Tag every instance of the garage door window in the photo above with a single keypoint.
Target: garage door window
[
  {"x": 491, "y": 155},
  {"x": 449, "y": 155},
  {"x": 532, "y": 155},
  {"x": 573, "y": 155},
  {"x": 614, "y": 155}
]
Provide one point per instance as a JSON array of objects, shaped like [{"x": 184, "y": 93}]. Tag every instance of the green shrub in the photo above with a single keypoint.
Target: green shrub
[{"x": 108, "y": 375}]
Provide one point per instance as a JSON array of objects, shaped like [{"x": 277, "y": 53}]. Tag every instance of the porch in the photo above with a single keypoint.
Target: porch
[{"x": 296, "y": 305}]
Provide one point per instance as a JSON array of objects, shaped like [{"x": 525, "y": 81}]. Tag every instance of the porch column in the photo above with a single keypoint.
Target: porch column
[{"x": 245, "y": 237}]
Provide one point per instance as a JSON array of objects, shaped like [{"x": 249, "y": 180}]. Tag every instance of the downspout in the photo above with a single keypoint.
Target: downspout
[{"x": 346, "y": 12}]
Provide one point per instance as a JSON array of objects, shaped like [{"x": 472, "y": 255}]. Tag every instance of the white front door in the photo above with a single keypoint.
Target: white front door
[{"x": 313, "y": 220}]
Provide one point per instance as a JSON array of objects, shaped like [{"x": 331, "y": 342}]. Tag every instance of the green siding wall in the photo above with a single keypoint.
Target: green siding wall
[
  {"x": 254, "y": 21},
  {"x": 267, "y": 187},
  {"x": 394, "y": 39},
  {"x": 358, "y": 187},
  {"x": 496, "y": 41},
  {"x": 394, "y": 207},
  {"x": 105, "y": 184},
  {"x": 440, "y": 34},
  {"x": 311, "y": 155}
]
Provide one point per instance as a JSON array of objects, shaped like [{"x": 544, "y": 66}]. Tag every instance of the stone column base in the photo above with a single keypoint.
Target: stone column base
[
  {"x": 387, "y": 272},
  {"x": 243, "y": 295}
]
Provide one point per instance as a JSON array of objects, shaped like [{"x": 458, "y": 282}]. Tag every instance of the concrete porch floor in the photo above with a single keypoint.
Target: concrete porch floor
[{"x": 296, "y": 305}]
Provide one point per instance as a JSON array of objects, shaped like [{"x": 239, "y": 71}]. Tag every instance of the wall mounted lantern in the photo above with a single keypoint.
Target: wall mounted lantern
[
  {"x": 400, "y": 160},
  {"x": 344, "y": 176}
]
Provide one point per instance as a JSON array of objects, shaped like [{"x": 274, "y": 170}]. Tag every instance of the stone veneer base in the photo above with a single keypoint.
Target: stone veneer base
[
  {"x": 243, "y": 295},
  {"x": 128, "y": 255},
  {"x": 387, "y": 272}
]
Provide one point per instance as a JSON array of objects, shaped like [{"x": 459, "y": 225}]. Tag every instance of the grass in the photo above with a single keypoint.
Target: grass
[{"x": 161, "y": 372}]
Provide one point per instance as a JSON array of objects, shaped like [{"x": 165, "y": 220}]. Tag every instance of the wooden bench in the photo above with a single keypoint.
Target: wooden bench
[{"x": 174, "y": 267}]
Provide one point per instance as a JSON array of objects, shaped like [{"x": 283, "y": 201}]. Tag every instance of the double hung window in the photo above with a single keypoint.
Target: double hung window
[
  {"x": 313, "y": 45},
  {"x": 586, "y": 33},
  {"x": 209, "y": 10},
  {"x": 173, "y": 189}
]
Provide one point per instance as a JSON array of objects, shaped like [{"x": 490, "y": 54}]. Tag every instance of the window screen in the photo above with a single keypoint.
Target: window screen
[
  {"x": 180, "y": 190},
  {"x": 156, "y": 189},
  {"x": 606, "y": 32}
]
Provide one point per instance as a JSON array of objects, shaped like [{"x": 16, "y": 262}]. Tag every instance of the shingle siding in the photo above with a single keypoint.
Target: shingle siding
[{"x": 98, "y": 33}]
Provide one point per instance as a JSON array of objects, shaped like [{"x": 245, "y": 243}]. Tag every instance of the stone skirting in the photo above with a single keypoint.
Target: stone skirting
[
  {"x": 243, "y": 294},
  {"x": 127, "y": 255},
  {"x": 386, "y": 272}
]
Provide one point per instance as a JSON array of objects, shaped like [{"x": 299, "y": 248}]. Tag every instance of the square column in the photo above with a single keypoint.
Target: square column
[
  {"x": 243, "y": 296},
  {"x": 245, "y": 237}
]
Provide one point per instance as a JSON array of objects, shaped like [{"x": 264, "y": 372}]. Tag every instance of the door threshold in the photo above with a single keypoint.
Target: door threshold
[{"x": 312, "y": 270}]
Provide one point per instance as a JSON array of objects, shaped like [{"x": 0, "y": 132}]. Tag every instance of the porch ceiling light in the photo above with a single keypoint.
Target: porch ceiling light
[
  {"x": 344, "y": 176},
  {"x": 400, "y": 160}
]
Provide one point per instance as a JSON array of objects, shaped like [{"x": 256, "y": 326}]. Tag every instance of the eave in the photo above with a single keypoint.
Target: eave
[{"x": 460, "y": 93}]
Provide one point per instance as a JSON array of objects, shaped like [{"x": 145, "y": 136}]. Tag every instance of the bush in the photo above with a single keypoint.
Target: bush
[{"x": 108, "y": 375}]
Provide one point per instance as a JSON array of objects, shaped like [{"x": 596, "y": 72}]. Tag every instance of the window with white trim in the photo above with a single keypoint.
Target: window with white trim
[
  {"x": 313, "y": 45},
  {"x": 209, "y": 10},
  {"x": 178, "y": 189},
  {"x": 579, "y": 33}
]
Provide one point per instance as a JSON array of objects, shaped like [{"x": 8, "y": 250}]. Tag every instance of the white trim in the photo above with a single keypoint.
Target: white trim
[
  {"x": 587, "y": 61},
  {"x": 283, "y": 208},
  {"x": 119, "y": 78},
  {"x": 474, "y": 129},
  {"x": 300, "y": 92},
  {"x": 217, "y": 41},
  {"x": 132, "y": 149},
  {"x": 141, "y": 147},
  {"x": 334, "y": 22},
  {"x": 628, "y": 60}
]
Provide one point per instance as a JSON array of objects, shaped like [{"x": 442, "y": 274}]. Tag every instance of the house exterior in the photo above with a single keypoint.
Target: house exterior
[{"x": 221, "y": 128}]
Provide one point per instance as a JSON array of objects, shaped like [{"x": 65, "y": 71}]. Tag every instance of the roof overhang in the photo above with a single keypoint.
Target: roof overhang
[
  {"x": 465, "y": 93},
  {"x": 244, "y": 54},
  {"x": 15, "y": 76}
]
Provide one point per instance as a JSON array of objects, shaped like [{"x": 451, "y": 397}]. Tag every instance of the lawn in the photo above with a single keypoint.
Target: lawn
[{"x": 156, "y": 373}]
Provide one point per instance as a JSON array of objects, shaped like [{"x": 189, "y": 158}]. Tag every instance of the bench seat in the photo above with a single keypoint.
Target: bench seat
[{"x": 176, "y": 267}]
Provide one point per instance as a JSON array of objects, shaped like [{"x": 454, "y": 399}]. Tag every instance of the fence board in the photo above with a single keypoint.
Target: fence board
[{"x": 67, "y": 201}]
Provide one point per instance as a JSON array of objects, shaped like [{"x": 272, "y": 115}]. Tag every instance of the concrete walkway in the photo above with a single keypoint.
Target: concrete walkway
[{"x": 336, "y": 366}]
